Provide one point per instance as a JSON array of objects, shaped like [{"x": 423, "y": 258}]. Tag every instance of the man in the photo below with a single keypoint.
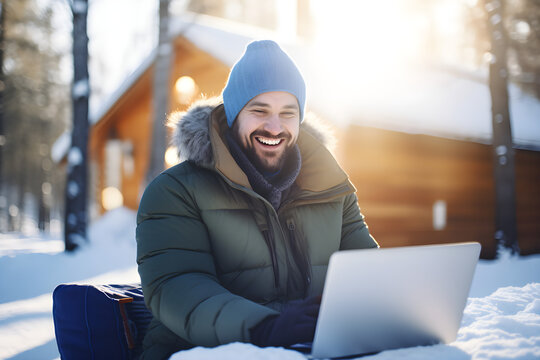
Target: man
[{"x": 234, "y": 242}]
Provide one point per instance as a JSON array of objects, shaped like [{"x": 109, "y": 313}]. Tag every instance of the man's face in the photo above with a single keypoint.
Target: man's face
[{"x": 267, "y": 129}]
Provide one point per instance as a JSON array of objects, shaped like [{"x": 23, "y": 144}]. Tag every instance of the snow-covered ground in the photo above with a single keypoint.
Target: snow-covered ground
[{"x": 501, "y": 320}]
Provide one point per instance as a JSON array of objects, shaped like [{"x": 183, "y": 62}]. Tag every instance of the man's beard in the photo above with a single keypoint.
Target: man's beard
[{"x": 262, "y": 164}]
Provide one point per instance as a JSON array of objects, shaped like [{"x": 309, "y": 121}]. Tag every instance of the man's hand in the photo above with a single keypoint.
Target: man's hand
[{"x": 295, "y": 324}]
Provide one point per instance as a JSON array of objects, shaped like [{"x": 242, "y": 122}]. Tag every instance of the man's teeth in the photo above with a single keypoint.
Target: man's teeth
[{"x": 267, "y": 141}]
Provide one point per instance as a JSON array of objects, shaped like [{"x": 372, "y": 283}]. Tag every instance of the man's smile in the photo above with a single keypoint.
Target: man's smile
[
  {"x": 267, "y": 129},
  {"x": 268, "y": 141}
]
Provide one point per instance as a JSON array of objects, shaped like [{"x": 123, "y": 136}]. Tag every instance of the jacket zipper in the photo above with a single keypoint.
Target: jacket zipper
[
  {"x": 267, "y": 233},
  {"x": 295, "y": 242},
  {"x": 270, "y": 242}
]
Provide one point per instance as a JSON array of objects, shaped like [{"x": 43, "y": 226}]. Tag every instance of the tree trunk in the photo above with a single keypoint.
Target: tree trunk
[
  {"x": 161, "y": 94},
  {"x": 76, "y": 185},
  {"x": 3, "y": 199},
  {"x": 504, "y": 166}
]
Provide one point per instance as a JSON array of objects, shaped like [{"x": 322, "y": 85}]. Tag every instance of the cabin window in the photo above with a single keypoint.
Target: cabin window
[
  {"x": 111, "y": 195},
  {"x": 439, "y": 215}
]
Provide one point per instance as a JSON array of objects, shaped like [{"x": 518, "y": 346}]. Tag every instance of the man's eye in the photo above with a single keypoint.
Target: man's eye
[
  {"x": 288, "y": 114},
  {"x": 259, "y": 111}
]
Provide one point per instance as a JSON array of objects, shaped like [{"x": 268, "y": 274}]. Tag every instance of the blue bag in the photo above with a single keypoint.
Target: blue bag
[{"x": 99, "y": 321}]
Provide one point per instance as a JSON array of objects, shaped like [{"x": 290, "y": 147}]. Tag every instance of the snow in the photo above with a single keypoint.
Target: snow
[
  {"x": 81, "y": 89},
  {"x": 75, "y": 157},
  {"x": 31, "y": 267},
  {"x": 73, "y": 190},
  {"x": 503, "y": 325},
  {"x": 506, "y": 271},
  {"x": 61, "y": 146},
  {"x": 501, "y": 320},
  {"x": 79, "y": 7}
]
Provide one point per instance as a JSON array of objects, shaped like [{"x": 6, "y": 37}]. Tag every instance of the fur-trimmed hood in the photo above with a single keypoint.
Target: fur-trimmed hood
[
  {"x": 199, "y": 136},
  {"x": 191, "y": 131}
]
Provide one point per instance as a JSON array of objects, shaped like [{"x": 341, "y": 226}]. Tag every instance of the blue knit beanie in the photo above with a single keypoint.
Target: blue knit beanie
[{"x": 264, "y": 67}]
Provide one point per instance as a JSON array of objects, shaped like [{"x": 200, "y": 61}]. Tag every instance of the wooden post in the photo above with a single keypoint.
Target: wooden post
[
  {"x": 76, "y": 184},
  {"x": 503, "y": 151},
  {"x": 161, "y": 94}
]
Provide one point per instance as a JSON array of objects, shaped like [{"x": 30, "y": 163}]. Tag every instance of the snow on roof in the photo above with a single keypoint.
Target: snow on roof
[
  {"x": 221, "y": 38},
  {"x": 525, "y": 115},
  {"x": 446, "y": 102},
  {"x": 96, "y": 115}
]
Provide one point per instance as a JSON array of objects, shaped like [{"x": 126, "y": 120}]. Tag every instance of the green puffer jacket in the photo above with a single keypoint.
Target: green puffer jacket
[{"x": 214, "y": 257}]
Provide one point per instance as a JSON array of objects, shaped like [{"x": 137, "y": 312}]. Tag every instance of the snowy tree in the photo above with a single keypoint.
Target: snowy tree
[
  {"x": 34, "y": 112},
  {"x": 521, "y": 23},
  {"x": 504, "y": 164},
  {"x": 76, "y": 216},
  {"x": 2, "y": 135}
]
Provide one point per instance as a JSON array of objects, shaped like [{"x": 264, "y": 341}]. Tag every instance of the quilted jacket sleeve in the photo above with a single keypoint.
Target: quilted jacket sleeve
[
  {"x": 354, "y": 232},
  {"x": 178, "y": 273}
]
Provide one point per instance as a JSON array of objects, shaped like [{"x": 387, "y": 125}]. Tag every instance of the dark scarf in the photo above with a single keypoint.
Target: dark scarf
[
  {"x": 271, "y": 188},
  {"x": 274, "y": 189}
]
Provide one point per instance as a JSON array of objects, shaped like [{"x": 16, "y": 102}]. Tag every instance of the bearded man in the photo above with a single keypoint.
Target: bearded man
[{"x": 233, "y": 243}]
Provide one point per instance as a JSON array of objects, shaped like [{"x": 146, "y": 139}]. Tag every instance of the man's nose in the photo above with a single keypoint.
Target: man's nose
[{"x": 273, "y": 124}]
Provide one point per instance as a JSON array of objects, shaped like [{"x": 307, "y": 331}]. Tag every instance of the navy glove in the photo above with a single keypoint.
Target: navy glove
[{"x": 295, "y": 324}]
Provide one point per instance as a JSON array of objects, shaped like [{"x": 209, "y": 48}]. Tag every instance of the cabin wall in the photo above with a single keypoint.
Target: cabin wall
[
  {"x": 399, "y": 178},
  {"x": 126, "y": 122},
  {"x": 134, "y": 128},
  {"x": 528, "y": 200}
]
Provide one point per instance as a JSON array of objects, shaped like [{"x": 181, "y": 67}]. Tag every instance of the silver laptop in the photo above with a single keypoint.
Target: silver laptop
[{"x": 381, "y": 299}]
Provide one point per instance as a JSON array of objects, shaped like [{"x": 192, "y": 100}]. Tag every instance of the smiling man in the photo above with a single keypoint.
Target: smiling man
[
  {"x": 267, "y": 129},
  {"x": 234, "y": 242}
]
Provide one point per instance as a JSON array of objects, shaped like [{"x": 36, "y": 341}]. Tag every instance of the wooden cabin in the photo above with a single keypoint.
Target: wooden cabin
[
  {"x": 119, "y": 141},
  {"x": 412, "y": 188},
  {"x": 418, "y": 189}
]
